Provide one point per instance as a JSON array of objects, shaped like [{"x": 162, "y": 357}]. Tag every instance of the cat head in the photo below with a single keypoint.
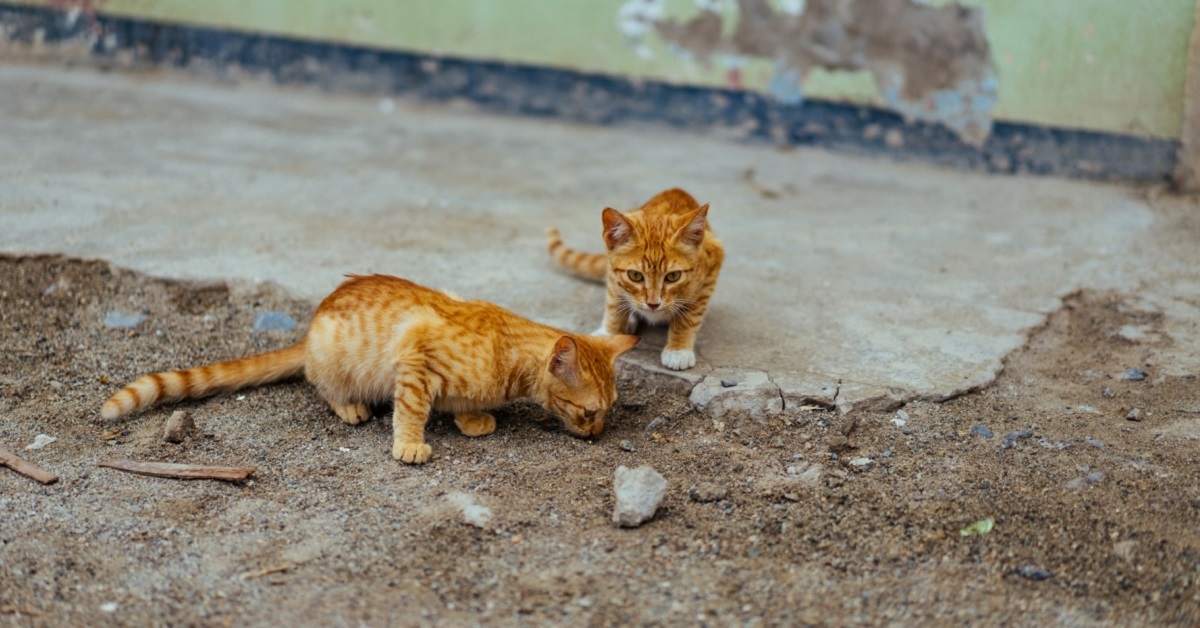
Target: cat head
[
  {"x": 654, "y": 260},
  {"x": 579, "y": 383}
]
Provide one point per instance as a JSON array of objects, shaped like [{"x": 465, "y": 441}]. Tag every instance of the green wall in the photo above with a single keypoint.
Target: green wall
[{"x": 1109, "y": 65}]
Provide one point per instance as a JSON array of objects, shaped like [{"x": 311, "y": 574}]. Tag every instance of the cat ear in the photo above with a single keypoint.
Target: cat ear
[
  {"x": 564, "y": 360},
  {"x": 692, "y": 233},
  {"x": 617, "y": 345},
  {"x": 617, "y": 229}
]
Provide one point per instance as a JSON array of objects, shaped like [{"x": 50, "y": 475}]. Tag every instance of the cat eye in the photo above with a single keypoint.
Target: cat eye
[
  {"x": 673, "y": 276},
  {"x": 634, "y": 275}
]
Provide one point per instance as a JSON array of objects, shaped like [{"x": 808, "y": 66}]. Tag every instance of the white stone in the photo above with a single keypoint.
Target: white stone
[{"x": 639, "y": 492}]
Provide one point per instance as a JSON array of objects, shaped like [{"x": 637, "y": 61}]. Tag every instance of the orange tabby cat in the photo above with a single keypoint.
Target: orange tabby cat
[
  {"x": 378, "y": 337},
  {"x": 662, "y": 266}
]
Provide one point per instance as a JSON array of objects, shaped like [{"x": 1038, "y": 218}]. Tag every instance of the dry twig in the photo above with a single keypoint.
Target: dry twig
[
  {"x": 180, "y": 471},
  {"x": 265, "y": 572},
  {"x": 26, "y": 468}
]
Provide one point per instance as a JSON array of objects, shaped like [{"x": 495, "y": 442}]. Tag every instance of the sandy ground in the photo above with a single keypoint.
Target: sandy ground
[{"x": 780, "y": 521}]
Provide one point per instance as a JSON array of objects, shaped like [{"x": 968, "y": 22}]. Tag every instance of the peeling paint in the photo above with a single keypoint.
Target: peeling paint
[{"x": 930, "y": 63}]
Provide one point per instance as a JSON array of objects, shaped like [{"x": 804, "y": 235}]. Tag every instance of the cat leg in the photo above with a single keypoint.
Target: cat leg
[
  {"x": 413, "y": 399},
  {"x": 351, "y": 413},
  {"x": 617, "y": 320},
  {"x": 679, "y": 354},
  {"x": 475, "y": 423}
]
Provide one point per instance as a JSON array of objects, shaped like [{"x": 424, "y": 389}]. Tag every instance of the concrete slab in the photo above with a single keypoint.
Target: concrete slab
[{"x": 847, "y": 279}]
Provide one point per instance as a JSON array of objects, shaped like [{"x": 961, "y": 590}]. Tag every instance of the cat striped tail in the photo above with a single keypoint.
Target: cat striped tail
[
  {"x": 205, "y": 380},
  {"x": 587, "y": 265}
]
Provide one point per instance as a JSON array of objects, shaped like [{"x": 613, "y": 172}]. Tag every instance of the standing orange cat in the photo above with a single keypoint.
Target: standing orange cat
[
  {"x": 377, "y": 338},
  {"x": 662, "y": 266}
]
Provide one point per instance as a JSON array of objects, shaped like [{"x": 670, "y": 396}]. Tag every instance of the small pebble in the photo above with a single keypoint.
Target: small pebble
[
  {"x": 627, "y": 445},
  {"x": 1108, "y": 393},
  {"x": 178, "y": 426},
  {"x": 862, "y": 463},
  {"x": 981, "y": 430},
  {"x": 109, "y": 607},
  {"x": 887, "y": 453},
  {"x": 121, "y": 320},
  {"x": 655, "y": 424},
  {"x": 728, "y": 383},
  {"x": 1087, "y": 480},
  {"x": 40, "y": 441},
  {"x": 1094, "y": 442},
  {"x": 639, "y": 492},
  {"x": 273, "y": 321},
  {"x": 707, "y": 492},
  {"x": 1134, "y": 375},
  {"x": 1010, "y": 440},
  {"x": 1033, "y": 573},
  {"x": 1134, "y": 414}
]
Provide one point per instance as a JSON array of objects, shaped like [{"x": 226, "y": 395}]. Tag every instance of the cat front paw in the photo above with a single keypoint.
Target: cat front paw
[
  {"x": 678, "y": 359},
  {"x": 411, "y": 453},
  {"x": 473, "y": 425},
  {"x": 353, "y": 413}
]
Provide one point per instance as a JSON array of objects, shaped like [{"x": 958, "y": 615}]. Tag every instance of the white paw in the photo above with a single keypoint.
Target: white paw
[{"x": 678, "y": 359}]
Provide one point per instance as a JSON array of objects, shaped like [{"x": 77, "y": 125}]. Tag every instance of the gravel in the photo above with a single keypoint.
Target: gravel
[
  {"x": 1134, "y": 375},
  {"x": 1010, "y": 439},
  {"x": 981, "y": 431},
  {"x": 1033, "y": 573}
]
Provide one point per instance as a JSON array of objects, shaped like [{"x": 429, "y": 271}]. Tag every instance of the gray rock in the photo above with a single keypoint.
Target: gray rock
[
  {"x": 1033, "y": 573},
  {"x": 1094, "y": 442},
  {"x": 755, "y": 394},
  {"x": 273, "y": 321},
  {"x": 627, "y": 445},
  {"x": 1108, "y": 393},
  {"x": 639, "y": 492},
  {"x": 707, "y": 492},
  {"x": 1085, "y": 481},
  {"x": 178, "y": 427},
  {"x": 655, "y": 424},
  {"x": 728, "y": 383},
  {"x": 121, "y": 320},
  {"x": 1134, "y": 375},
  {"x": 982, "y": 431},
  {"x": 1134, "y": 414},
  {"x": 811, "y": 476},
  {"x": 862, "y": 464},
  {"x": 1010, "y": 440}
]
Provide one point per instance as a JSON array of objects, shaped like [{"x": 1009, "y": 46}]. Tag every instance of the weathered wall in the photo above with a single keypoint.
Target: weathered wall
[{"x": 1107, "y": 65}]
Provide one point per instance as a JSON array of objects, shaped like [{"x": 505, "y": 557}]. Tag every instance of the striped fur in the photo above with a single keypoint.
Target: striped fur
[
  {"x": 205, "y": 380},
  {"x": 378, "y": 338},
  {"x": 592, "y": 266},
  {"x": 662, "y": 266}
]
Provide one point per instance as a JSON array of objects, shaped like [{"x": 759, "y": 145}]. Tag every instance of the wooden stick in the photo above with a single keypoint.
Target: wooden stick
[
  {"x": 180, "y": 471},
  {"x": 26, "y": 468},
  {"x": 265, "y": 572}
]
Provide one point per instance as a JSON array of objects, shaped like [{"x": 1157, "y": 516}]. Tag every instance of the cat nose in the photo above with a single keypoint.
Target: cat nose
[{"x": 653, "y": 306}]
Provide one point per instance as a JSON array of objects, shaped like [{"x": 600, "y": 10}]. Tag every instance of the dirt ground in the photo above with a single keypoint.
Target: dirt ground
[{"x": 782, "y": 521}]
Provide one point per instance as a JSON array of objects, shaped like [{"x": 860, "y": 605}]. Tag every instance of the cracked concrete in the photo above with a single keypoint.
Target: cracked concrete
[{"x": 849, "y": 282}]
